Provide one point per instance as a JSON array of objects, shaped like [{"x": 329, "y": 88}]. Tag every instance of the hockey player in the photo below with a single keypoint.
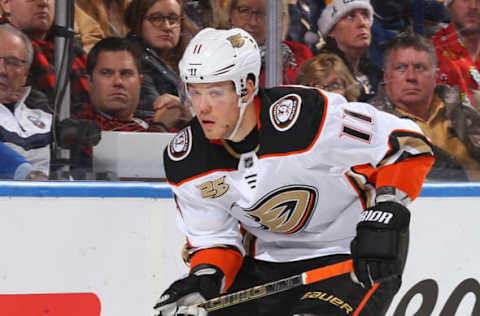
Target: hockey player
[{"x": 273, "y": 182}]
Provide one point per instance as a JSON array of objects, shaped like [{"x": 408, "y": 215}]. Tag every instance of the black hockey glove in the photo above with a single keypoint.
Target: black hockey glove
[
  {"x": 204, "y": 282},
  {"x": 380, "y": 248}
]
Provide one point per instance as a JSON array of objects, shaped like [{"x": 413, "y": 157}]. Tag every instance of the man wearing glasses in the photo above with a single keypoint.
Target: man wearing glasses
[
  {"x": 250, "y": 16},
  {"x": 26, "y": 114},
  {"x": 35, "y": 18},
  {"x": 24, "y": 127}
]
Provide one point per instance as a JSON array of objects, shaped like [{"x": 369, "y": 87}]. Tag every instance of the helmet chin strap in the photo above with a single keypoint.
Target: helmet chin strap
[{"x": 243, "y": 107}]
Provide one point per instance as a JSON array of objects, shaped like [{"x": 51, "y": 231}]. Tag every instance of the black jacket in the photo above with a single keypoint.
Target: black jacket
[
  {"x": 158, "y": 78},
  {"x": 367, "y": 67}
]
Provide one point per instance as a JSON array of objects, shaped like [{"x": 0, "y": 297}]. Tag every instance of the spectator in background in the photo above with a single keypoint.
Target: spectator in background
[
  {"x": 303, "y": 27},
  {"x": 346, "y": 28},
  {"x": 35, "y": 18},
  {"x": 163, "y": 31},
  {"x": 410, "y": 91},
  {"x": 87, "y": 29},
  {"x": 26, "y": 121},
  {"x": 114, "y": 83},
  {"x": 207, "y": 13},
  {"x": 458, "y": 50},
  {"x": 108, "y": 13},
  {"x": 114, "y": 69},
  {"x": 25, "y": 125},
  {"x": 328, "y": 72},
  {"x": 392, "y": 17},
  {"x": 250, "y": 16}
]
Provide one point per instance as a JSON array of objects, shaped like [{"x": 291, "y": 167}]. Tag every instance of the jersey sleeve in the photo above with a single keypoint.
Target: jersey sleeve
[
  {"x": 213, "y": 235},
  {"x": 375, "y": 148}
]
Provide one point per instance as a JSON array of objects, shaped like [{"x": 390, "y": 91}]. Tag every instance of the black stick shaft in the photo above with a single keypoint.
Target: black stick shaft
[{"x": 252, "y": 293}]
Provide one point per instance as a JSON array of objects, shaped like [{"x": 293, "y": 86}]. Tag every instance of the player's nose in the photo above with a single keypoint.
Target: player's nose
[{"x": 201, "y": 105}]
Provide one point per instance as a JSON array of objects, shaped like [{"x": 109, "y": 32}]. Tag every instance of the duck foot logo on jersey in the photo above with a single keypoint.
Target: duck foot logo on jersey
[{"x": 285, "y": 210}]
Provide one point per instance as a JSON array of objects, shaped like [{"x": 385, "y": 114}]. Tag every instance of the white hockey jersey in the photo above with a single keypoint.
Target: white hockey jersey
[{"x": 299, "y": 193}]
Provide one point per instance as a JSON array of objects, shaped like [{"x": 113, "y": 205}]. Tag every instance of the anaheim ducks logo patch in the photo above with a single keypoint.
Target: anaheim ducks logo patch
[
  {"x": 180, "y": 145},
  {"x": 285, "y": 111},
  {"x": 236, "y": 40},
  {"x": 286, "y": 210}
]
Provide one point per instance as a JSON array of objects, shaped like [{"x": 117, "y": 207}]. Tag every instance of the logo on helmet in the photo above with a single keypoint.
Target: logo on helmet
[{"x": 236, "y": 40}]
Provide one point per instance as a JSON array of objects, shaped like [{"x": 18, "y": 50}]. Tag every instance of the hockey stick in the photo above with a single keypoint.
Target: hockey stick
[{"x": 278, "y": 286}]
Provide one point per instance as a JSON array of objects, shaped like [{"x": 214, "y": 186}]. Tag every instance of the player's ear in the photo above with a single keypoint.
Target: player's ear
[{"x": 250, "y": 89}]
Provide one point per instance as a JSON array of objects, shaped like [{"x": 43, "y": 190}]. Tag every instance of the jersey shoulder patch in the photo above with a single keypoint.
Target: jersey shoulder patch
[
  {"x": 291, "y": 118},
  {"x": 285, "y": 111},
  {"x": 190, "y": 154},
  {"x": 181, "y": 145}
]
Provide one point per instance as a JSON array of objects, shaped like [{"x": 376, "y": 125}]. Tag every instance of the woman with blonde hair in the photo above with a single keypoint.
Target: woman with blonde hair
[{"x": 328, "y": 72}]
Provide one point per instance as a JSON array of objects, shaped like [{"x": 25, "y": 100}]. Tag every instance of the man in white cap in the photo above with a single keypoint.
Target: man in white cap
[
  {"x": 270, "y": 183},
  {"x": 458, "y": 50},
  {"x": 346, "y": 27}
]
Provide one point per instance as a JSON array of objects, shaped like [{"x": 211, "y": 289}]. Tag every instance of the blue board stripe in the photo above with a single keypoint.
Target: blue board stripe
[
  {"x": 461, "y": 189},
  {"x": 162, "y": 191},
  {"x": 85, "y": 189}
]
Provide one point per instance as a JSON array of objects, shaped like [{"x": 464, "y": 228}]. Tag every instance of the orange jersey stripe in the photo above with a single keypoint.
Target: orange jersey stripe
[
  {"x": 227, "y": 260},
  {"x": 330, "y": 271},
  {"x": 257, "y": 108},
  {"x": 368, "y": 171},
  {"x": 407, "y": 175}
]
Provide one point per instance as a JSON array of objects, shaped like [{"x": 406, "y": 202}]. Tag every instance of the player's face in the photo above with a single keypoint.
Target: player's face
[
  {"x": 162, "y": 25},
  {"x": 250, "y": 16},
  {"x": 466, "y": 16},
  {"x": 352, "y": 31},
  {"x": 216, "y": 107},
  {"x": 114, "y": 86},
  {"x": 409, "y": 78},
  {"x": 34, "y": 17},
  {"x": 13, "y": 67}
]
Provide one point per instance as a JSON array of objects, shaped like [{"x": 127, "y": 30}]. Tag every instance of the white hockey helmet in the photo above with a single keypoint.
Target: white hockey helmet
[{"x": 222, "y": 55}]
